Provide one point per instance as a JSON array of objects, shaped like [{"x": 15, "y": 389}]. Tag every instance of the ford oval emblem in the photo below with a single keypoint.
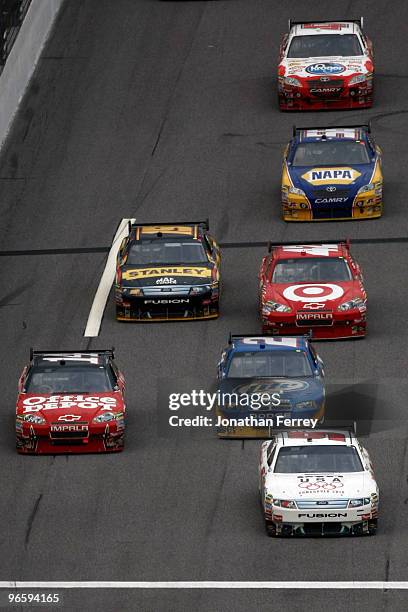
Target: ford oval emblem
[{"x": 325, "y": 68}]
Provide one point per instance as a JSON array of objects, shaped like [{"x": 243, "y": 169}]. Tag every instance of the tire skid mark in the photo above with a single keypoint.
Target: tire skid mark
[{"x": 31, "y": 519}]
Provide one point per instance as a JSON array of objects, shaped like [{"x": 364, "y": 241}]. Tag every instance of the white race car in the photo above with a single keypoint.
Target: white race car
[{"x": 317, "y": 483}]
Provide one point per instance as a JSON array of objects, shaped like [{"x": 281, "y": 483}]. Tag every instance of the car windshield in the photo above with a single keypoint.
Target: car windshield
[
  {"x": 311, "y": 269},
  {"x": 69, "y": 379},
  {"x": 155, "y": 252},
  {"x": 331, "y": 153},
  {"x": 317, "y": 460},
  {"x": 325, "y": 45},
  {"x": 276, "y": 364}
]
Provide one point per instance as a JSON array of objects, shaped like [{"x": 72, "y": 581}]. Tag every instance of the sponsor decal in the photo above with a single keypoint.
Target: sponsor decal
[
  {"x": 168, "y": 229},
  {"x": 315, "y": 292},
  {"x": 93, "y": 358},
  {"x": 55, "y": 402},
  {"x": 325, "y": 68},
  {"x": 174, "y": 301},
  {"x": 68, "y": 428},
  {"x": 325, "y": 26},
  {"x": 271, "y": 341},
  {"x": 324, "y": 176},
  {"x": 323, "y": 514},
  {"x": 313, "y": 249},
  {"x": 277, "y": 386},
  {"x": 320, "y": 483},
  {"x": 165, "y": 280},
  {"x": 330, "y": 200},
  {"x": 321, "y": 90},
  {"x": 314, "y": 316},
  {"x": 137, "y": 273},
  {"x": 314, "y": 305}
]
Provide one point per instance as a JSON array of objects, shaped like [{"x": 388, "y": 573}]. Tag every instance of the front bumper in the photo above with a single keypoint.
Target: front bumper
[
  {"x": 38, "y": 440},
  {"x": 352, "y": 324},
  {"x": 367, "y": 205},
  {"x": 318, "y": 522},
  {"x": 167, "y": 308},
  {"x": 310, "y": 98}
]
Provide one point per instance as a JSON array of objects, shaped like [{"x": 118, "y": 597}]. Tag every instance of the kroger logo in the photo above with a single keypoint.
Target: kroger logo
[{"x": 325, "y": 68}]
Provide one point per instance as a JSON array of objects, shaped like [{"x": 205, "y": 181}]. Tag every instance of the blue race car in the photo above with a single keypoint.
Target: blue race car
[
  {"x": 332, "y": 173},
  {"x": 286, "y": 370}
]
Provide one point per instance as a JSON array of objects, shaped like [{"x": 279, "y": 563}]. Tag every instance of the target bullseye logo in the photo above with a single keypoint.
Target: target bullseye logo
[{"x": 316, "y": 292}]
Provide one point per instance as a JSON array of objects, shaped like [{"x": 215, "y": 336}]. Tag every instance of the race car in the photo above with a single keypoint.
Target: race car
[
  {"x": 317, "y": 483},
  {"x": 325, "y": 64},
  {"x": 312, "y": 287},
  {"x": 70, "y": 402},
  {"x": 168, "y": 271},
  {"x": 331, "y": 174},
  {"x": 288, "y": 370}
]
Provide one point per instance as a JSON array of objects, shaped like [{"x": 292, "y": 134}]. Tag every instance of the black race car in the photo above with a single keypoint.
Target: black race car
[{"x": 168, "y": 271}]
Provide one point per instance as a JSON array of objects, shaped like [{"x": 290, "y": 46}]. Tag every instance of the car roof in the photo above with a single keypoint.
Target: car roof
[
  {"x": 316, "y": 438},
  {"x": 326, "y": 27},
  {"x": 300, "y": 251},
  {"x": 260, "y": 344}
]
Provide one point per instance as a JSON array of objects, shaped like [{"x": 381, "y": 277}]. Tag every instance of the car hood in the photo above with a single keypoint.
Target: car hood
[
  {"x": 167, "y": 275},
  {"x": 334, "y": 66},
  {"x": 84, "y": 406},
  {"x": 320, "y": 486},
  {"x": 291, "y": 390},
  {"x": 314, "y": 296},
  {"x": 331, "y": 179}
]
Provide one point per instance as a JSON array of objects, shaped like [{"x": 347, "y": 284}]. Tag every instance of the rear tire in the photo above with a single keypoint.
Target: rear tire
[
  {"x": 372, "y": 527},
  {"x": 270, "y": 529}
]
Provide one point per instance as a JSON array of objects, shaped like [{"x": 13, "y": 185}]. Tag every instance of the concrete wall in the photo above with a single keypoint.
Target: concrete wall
[{"x": 23, "y": 58}]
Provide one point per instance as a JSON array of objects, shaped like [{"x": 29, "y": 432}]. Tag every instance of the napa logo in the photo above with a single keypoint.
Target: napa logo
[
  {"x": 325, "y": 68},
  {"x": 326, "y": 176}
]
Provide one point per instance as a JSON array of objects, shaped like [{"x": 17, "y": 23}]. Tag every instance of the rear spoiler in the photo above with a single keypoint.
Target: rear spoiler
[
  {"x": 364, "y": 126},
  {"x": 204, "y": 224},
  {"x": 272, "y": 245},
  {"x": 359, "y": 22},
  {"x": 109, "y": 352},
  {"x": 307, "y": 336},
  {"x": 341, "y": 427}
]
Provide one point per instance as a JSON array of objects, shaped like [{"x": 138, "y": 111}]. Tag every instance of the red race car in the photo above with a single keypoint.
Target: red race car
[
  {"x": 70, "y": 402},
  {"x": 316, "y": 287},
  {"x": 325, "y": 64}
]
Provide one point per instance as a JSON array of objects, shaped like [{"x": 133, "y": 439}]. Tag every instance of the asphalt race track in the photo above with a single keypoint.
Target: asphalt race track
[{"x": 167, "y": 111}]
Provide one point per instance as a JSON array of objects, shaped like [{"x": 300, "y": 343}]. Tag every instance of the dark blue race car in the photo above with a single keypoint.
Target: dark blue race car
[
  {"x": 288, "y": 370},
  {"x": 332, "y": 173}
]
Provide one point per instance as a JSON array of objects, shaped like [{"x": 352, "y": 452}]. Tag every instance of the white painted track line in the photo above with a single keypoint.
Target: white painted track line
[
  {"x": 204, "y": 585},
  {"x": 101, "y": 296}
]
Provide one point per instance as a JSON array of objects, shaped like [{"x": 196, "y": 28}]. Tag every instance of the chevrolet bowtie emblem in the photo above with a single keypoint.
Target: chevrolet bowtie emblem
[{"x": 69, "y": 417}]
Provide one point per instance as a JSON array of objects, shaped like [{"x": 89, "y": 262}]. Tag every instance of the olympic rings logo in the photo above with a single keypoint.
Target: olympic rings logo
[{"x": 326, "y": 486}]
